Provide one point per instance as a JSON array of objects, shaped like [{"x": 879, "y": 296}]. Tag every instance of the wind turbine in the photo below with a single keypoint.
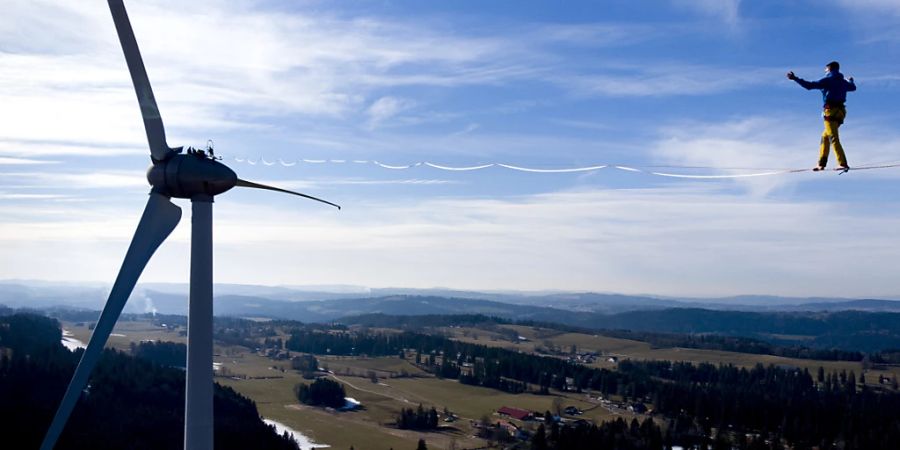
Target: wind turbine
[{"x": 194, "y": 175}]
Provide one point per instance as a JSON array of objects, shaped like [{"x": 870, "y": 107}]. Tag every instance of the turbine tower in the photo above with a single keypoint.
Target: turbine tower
[{"x": 194, "y": 175}]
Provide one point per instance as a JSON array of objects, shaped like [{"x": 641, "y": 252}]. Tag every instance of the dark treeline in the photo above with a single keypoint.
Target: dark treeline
[
  {"x": 306, "y": 364},
  {"x": 617, "y": 434},
  {"x": 163, "y": 353},
  {"x": 786, "y": 403},
  {"x": 130, "y": 403},
  {"x": 662, "y": 340},
  {"x": 890, "y": 356},
  {"x": 417, "y": 419},
  {"x": 861, "y": 331},
  {"x": 322, "y": 392},
  {"x": 414, "y": 323},
  {"x": 847, "y": 330},
  {"x": 735, "y": 344}
]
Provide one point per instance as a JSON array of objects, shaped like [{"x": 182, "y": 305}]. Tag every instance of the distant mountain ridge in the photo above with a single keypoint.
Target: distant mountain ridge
[
  {"x": 162, "y": 297},
  {"x": 866, "y": 325}
]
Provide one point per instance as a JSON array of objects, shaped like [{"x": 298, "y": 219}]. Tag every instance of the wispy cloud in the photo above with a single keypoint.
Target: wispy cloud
[
  {"x": 669, "y": 79},
  {"x": 385, "y": 108},
  {"x": 82, "y": 180},
  {"x": 5, "y": 161},
  {"x": 727, "y": 11},
  {"x": 25, "y": 148},
  {"x": 712, "y": 243},
  {"x": 468, "y": 129}
]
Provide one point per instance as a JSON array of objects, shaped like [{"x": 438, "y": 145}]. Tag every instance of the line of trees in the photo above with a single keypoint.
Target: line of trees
[{"x": 418, "y": 419}]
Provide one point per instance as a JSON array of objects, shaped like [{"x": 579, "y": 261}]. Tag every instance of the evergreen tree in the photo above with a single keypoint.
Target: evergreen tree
[{"x": 539, "y": 440}]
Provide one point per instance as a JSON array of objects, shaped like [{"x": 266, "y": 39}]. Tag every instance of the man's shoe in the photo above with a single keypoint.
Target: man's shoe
[{"x": 818, "y": 168}]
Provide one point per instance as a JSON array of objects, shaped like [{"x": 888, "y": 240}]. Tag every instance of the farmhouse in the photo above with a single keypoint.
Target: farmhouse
[{"x": 515, "y": 413}]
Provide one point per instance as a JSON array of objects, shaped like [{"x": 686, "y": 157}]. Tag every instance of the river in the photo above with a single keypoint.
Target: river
[{"x": 71, "y": 343}]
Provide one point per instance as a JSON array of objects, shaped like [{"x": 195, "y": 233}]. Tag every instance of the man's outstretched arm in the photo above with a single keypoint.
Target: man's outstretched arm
[{"x": 806, "y": 84}]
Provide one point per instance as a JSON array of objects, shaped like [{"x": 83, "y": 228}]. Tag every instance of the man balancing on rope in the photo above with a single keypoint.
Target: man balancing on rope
[{"x": 834, "y": 93}]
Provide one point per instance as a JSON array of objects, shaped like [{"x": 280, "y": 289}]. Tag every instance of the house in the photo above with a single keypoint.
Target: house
[
  {"x": 515, "y": 413},
  {"x": 572, "y": 411},
  {"x": 638, "y": 408},
  {"x": 512, "y": 430}
]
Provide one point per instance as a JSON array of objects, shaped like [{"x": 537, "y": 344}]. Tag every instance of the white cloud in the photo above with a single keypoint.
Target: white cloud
[
  {"x": 25, "y": 148},
  {"x": 468, "y": 129},
  {"x": 385, "y": 108},
  {"x": 669, "y": 79},
  {"x": 78, "y": 180},
  {"x": 726, "y": 10},
  {"x": 5, "y": 161},
  {"x": 694, "y": 240}
]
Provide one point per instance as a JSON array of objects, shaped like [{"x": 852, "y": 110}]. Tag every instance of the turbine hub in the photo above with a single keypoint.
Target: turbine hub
[{"x": 190, "y": 175}]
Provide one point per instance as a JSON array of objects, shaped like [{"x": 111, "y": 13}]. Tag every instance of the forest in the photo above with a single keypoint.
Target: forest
[{"x": 129, "y": 403}]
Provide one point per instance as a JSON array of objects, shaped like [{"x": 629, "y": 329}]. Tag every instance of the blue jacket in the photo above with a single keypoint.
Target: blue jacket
[{"x": 834, "y": 87}]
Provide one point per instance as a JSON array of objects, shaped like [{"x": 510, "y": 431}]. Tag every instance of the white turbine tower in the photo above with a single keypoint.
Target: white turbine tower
[{"x": 193, "y": 175}]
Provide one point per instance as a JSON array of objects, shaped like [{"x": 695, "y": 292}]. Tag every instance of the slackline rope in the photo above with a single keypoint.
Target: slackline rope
[{"x": 650, "y": 169}]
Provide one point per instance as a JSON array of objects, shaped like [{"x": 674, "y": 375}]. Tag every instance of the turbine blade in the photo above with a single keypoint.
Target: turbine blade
[
  {"x": 159, "y": 219},
  {"x": 250, "y": 184},
  {"x": 156, "y": 134}
]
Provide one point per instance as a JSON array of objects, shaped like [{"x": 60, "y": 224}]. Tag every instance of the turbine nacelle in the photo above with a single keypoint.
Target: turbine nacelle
[{"x": 190, "y": 175}]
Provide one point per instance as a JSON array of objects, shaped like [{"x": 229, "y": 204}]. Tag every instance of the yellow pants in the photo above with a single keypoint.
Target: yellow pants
[{"x": 834, "y": 117}]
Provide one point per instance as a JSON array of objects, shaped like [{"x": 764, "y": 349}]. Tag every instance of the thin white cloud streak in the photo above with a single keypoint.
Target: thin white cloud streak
[
  {"x": 6, "y": 161},
  {"x": 694, "y": 240},
  {"x": 668, "y": 79},
  {"x": 123, "y": 179},
  {"x": 728, "y": 11},
  {"x": 385, "y": 108},
  {"x": 34, "y": 149},
  {"x": 468, "y": 129},
  {"x": 16, "y": 196}
]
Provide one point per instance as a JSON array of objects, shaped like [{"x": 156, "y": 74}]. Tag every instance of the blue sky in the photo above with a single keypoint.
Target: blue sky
[{"x": 531, "y": 84}]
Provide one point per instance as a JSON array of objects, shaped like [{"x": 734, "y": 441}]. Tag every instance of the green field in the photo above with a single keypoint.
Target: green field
[{"x": 366, "y": 428}]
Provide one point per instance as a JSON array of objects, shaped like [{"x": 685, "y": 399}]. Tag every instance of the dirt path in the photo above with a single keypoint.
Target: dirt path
[{"x": 382, "y": 394}]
